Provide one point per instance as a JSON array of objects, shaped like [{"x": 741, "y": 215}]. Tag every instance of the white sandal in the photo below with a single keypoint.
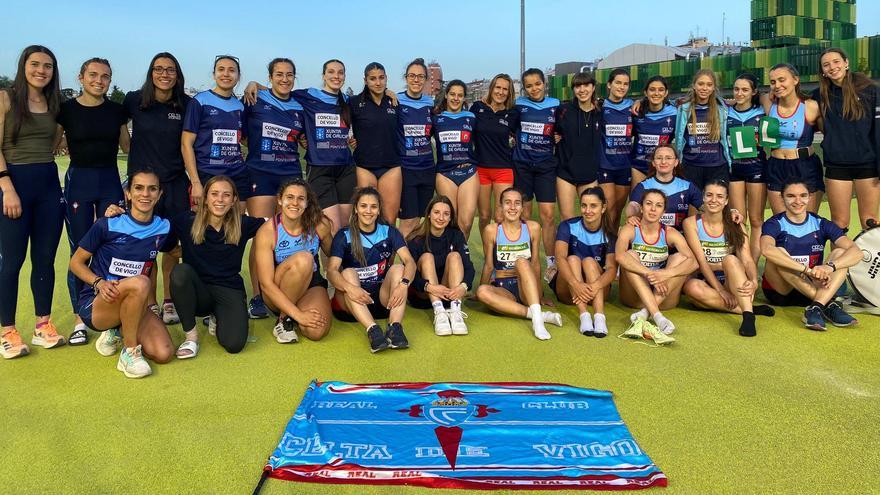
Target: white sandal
[{"x": 188, "y": 349}]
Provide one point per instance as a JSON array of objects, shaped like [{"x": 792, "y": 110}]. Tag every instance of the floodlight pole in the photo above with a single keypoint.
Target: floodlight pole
[{"x": 522, "y": 41}]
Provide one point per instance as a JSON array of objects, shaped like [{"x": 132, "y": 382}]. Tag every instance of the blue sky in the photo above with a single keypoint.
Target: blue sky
[{"x": 472, "y": 39}]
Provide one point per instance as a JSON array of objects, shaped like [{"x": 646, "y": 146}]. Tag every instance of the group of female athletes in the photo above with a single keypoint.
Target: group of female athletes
[{"x": 393, "y": 182}]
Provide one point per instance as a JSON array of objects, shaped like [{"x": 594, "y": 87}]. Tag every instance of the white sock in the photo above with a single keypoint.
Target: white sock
[
  {"x": 537, "y": 318},
  {"x": 599, "y": 322},
  {"x": 642, "y": 313},
  {"x": 79, "y": 326},
  {"x": 551, "y": 261},
  {"x": 663, "y": 323},
  {"x": 551, "y": 317},
  {"x": 455, "y": 305},
  {"x": 438, "y": 306},
  {"x": 534, "y": 309},
  {"x": 586, "y": 323}
]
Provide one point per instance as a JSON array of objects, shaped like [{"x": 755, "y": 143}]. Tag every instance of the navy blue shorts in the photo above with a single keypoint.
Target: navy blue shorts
[
  {"x": 621, "y": 177},
  {"x": 640, "y": 166},
  {"x": 752, "y": 173},
  {"x": 378, "y": 311},
  {"x": 242, "y": 183},
  {"x": 510, "y": 284},
  {"x": 418, "y": 189},
  {"x": 536, "y": 181},
  {"x": 266, "y": 184},
  {"x": 701, "y": 176},
  {"x": 460, "y": 174},
  {"x": 379, "y": 171},
  {"x": 719, "y": 274},
  {"x": 809, "y": 170},
  {"x": 85, "y": 312}
]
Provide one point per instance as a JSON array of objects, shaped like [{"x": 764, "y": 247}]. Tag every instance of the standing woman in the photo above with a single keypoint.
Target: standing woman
[
  {"x": 728, "y": 277},
  {"x": 654, "y": 125},
  {"x": 795, "y": 156},
  {"x": 414, "y": 146},
  {"x": 512, "y": 249},
  {"x": 94, "y": 127},
  {"x": 748, "y": 182},
  {"x": 374, "y": 122},
  {"x": 445, "y": 271},
  {"x": 851, "y": 144},
  {"x": 288, "y": 263},
  {"x": 578, "y": 143},
  {"x": 701, "y": 131},
  {"x": 31, "y": 195},
  {"x": 456, "y": 170},
  {"x": 533, "y": 121},
  {"x": 156, "y": 112},
  {"x": 614, "y": 169},
  {"x": 492, "y": 142}
]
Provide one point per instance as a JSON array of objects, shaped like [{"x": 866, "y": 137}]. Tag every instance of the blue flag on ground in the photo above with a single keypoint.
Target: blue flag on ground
[{"x": 461, "y": 435}]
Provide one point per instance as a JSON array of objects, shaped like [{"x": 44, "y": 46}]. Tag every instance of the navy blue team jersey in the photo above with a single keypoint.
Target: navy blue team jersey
[
  {"x": 617, "y": 125},
  {"x": 533, "y": 122},
  {"x": 273, "y": 127},
  {"x": 583, "y": 242},
  {"x": 453, "y": 133},
  {"x": 650, "y": 131},
  {"x": 750, "y": 118},
  {"x": 380, "y": 247},
  {"x": 699, "y": 149},
  {"x": 326, "y": 131},
  {"x": 122, "y": 247},
  {"x": 680, "y": 194},
  {"x": 414, "y": 132},
  {"x": 217, "y": 123},
  {"x": 804, "y": 242}
]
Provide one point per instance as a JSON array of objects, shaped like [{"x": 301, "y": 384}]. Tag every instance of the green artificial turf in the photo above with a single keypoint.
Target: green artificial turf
[{"x": 789, "y": 411}]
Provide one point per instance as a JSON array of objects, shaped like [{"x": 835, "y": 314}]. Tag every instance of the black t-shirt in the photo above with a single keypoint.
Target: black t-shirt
[
  {"x": 581, "y": 144},
  {"x": 92, "y": 132},
  {"x": 216, "y": 262},
  {"x": 155, "y": 136},
  {"x": 451, "y": 240},
  {"x": 375, "y": 128},
  {"x": 492, "y": 136}
]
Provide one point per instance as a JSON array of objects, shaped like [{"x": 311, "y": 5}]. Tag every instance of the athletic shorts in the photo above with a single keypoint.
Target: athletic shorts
[
  {"x": 575, "y": 182},
  {"x": 266, "y": 184},
  {"x": 420, "y": 300},
  {"x": 242, "y": 183},
  {"x": 174, "y": 199},
  {"x": 619, "y": 177},
  {"x": 460, "y": 174},
  {"x": 850, "y": 172},
  {"x": 809, "y": 170},
  {"x": 640, "y": 166},
  {"x": 378, "y": 311},
  {"x": 752, "y": 173},
  {"x": 85, "y": 311},
  {"x": 333, "y": 185},
  {"x": 510, "y": 284},
  {"x": 719, "y": 274},
  {"x": 793, "y": 298},
  {"x": 489, "y": 175},
  {"x": 418, "y": 189},
  {"x": 536, "y": 181},
  {"x": 378, "y": 172},
  {"x": 701, "y": 176}
]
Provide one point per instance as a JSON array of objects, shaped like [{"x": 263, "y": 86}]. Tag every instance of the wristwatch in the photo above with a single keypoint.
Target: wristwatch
[
  {"x": 832, "y": 265},
  {"x": 404, "y": 281}
]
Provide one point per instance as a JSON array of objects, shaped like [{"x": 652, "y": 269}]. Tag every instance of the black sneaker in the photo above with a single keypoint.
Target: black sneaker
[
  {"x": 396, "y": 336},
  {"x": 378, "y": 341}
]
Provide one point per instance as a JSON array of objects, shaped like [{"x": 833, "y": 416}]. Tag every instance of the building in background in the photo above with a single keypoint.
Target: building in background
[{"x": 435, "y": 78}]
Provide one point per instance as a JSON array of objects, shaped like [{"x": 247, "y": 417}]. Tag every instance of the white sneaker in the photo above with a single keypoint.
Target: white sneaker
[
  {"x": 108, "y": 342},
  {"x": 132, "y": 363},
  {"x": 456, "y": 319},
  {"x": 169, "y": 314},
  {"x": 285, "y": 331},
  {"x": 442, "y": 327},
  {"x": 210, "y": 321}
]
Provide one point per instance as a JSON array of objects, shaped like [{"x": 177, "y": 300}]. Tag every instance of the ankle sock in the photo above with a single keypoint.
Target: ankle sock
[
  {"x": 747, "y": 329},
  {"x": 438, "y": 306},
  {"x": 586, "y": 327}
]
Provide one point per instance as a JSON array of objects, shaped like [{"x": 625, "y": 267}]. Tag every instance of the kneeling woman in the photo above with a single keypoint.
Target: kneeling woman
[
  {"x": 651, "y": 278},
  {"x": 287, "y": 263},
  {"x": 445, "y": 271},
  {"x": 583, "y": 246},
  {"x": 361, "y": 268},
  {"x": 123, "y": 251},
  {"x": 514, "y": 246},
  {"x": 728, "y": 277},
  {"x": 793, "y": 242}
]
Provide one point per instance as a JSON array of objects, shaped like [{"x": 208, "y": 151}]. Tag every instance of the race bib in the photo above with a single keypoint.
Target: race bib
[
  {"x": 509, "y": 253},
  {"x": 125, "y": 268},
  {"x": 328, "y": 120},
  {"x": 225, "y": 136},
  {"x": 653, "y": 257},
  {"x": 618, "y": 130},
  {"x": 714, "y": 251},
  {"x": 414, "y": 130},
  {"x": 449, "y": 136},
  {"x": 532, "y": 128},
  {"x": 278, "y": 132},
  {"x": 743, "y": 142},
  {"x": 769, "y": 132}
]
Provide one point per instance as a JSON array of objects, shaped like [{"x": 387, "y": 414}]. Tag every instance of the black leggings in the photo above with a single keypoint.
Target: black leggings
[
  {"x": 42, "y": 216},
  {"x": 192, "y": 298}
]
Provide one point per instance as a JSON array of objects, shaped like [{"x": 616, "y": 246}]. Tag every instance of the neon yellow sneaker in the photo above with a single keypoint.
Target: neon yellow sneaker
[
  {"x": 651, "y": 332},
  {"x": 636, "y": 330}
]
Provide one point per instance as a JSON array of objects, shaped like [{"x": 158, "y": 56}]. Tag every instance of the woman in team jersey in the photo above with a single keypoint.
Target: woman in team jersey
[
  {"x": 445, "y": 271},
  {"x": 452, "y": 127},
  {"x": 701, "y": 131},
  {"x": 795, "y": 157},
  {"x": 748, "y": 181},
  {"x": 650, "y": 277},
  {"x": 683, "y": 197},
  {"x": 728, "y": 277},
  {"x": 414, "y": 146},
  {"x": 95, "y": 129},
  {"x": 585, "y": 250},
  {"x": 653, "y": 125},
  {"x": 369, "y": 285},
  {"x": 288, "y": 267},
  {"x": 114, "y": 260},
  {"x": 511, "y": 249},
  {"x": 374, "y": 123},
  {"x": 493, "y": 151},
  {"x": 617, "y": 119},
  {"x": 797, "y": 272},
  {"x": 578, "y": 143}
]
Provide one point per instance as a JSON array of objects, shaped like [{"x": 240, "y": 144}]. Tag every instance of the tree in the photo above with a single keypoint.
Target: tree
[
  {"x": 116, "y": 94},
  {"x": 68, "y": 93},
  {"x": 5, "y": 82}
]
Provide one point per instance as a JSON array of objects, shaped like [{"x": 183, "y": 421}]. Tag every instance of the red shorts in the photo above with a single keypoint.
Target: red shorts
[{"x": 489, "y": 176}]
